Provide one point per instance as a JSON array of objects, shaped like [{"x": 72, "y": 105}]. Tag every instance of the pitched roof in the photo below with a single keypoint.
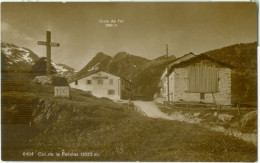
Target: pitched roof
[
  {"x": 94, "y": 72},
  {"x": 178, "y": 60},
  {"x": 182, "y": 58},
  {"x": 197, "y": 58}
]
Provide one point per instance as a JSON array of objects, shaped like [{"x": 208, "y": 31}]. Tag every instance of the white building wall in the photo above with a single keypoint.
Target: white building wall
[
  {"x": 171, "y": 86},
  {"x": 100, "y": 90}
]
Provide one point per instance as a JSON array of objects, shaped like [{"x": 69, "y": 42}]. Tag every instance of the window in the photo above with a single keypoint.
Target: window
[
  {"x": 89, "y": 81},
  {"x": 202, "y": 96},
  {"x": 110, "y": 92},
  {"x": 110, "y": 81},
  {"x": 100, "y": 81},
  {"x": 76, "y": 82}
]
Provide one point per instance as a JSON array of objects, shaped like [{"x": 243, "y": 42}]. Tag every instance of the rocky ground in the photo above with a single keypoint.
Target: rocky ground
[{"x": 240, "y": 123}]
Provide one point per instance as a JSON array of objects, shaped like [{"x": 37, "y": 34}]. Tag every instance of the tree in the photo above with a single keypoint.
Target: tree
[{"x": 40, "y": 68}]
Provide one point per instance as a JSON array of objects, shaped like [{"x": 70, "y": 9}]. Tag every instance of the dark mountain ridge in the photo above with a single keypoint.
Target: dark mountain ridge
[
  {"x": 122, "y": 64},
  {"x": 143, "y": 72},
  {"x": 146, "y": 73},
  {"x": 101, "y": 61}
]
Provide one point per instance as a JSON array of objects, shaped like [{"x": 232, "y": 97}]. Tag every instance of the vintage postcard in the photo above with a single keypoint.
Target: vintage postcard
[{"x": 129, "y": 81}]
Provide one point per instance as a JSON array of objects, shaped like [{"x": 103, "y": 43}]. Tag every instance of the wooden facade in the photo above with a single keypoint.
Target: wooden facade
[{"x": 203, "y": 79}]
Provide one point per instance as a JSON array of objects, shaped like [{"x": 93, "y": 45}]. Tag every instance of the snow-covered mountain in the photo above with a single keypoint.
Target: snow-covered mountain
[
  {"x": 65, "y": 71},
  {"x": 15, "y": 58}
]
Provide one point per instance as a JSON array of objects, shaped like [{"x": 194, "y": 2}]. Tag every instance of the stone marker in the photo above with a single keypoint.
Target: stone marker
[{"x": 62, "y": 91}]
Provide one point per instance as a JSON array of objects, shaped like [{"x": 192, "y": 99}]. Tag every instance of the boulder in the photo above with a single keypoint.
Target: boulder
[
  {"x": 196, "y": 114},
  {"x": 225, "y": 117},
  {"x": 249, "y": 122},
  {"x": 59, "y": 81},
  {"x": 50, "y": 80},
  {"x": 43, "y": 80}
]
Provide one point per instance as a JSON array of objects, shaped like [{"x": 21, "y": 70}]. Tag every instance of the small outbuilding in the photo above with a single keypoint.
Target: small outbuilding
[{"x": 200, "y": 79}]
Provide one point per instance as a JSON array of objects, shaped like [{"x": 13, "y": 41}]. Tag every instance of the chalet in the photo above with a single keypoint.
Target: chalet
[
  {"x": 200, "y": 79},
  {"x": 162, "y": 95},
  {"x": 104, "y": 84}
]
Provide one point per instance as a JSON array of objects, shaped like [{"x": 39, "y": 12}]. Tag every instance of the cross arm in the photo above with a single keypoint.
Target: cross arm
[
  {"x": 42, "y": 43},
  {"x": 51, "y": 44},
  {"x": 54, "y": 44}
]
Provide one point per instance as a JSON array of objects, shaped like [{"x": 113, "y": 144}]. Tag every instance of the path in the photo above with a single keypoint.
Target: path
[{"x": 151, "y": 109}]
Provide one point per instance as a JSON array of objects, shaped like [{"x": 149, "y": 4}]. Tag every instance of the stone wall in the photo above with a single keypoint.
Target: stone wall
[{"x": 223, "y": 97}]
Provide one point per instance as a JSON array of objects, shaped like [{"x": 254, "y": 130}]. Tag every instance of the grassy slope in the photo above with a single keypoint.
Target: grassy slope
[{"x": 89, "y": 124}]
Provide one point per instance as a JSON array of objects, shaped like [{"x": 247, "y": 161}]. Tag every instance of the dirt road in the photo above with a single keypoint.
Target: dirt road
[{"x": 151, "y": 110}]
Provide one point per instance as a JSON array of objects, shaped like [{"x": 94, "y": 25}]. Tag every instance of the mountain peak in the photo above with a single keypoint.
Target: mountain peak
[
  {"x": 100, "y": 61},
  {"x": 101, "y": 54},
  {"x": 121, "y": 54},
  {"x": 164, "y": 57}
]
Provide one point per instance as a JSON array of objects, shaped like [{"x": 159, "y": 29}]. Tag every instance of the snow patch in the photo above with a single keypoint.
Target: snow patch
[
  {"x": 92, "y": 68},
  {"x": 26, "y": 57},
  {"x": 21, "y": 56},
  {"x": 60, "y": 69},
  {"x": 22, "y": 49},
  {"x": 7, "y": 51},
  {"x": 16, "y": 60}
]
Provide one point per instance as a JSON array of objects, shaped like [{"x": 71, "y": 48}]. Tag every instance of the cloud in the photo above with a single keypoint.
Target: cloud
[
  {"x": 5, "y": 26},
  {"x": 8, "y": 30}
]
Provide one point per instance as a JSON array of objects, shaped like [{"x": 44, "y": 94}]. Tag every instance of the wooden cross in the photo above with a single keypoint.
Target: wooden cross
[{"x": 48, "y": 45}]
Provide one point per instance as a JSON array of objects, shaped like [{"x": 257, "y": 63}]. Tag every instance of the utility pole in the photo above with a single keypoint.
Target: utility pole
[{"x": 168, "y": 86}]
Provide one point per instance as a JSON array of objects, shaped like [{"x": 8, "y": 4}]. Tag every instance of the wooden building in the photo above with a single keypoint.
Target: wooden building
[
  {"x": 200, "y": 79},
  {"x": 104, "y": 84}
]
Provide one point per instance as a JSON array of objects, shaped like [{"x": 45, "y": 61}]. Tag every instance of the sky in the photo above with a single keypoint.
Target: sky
[{"x": 140, "y": 29}]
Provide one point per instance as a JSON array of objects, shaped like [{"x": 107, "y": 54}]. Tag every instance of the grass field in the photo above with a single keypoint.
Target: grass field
[{"x": 112, "y": 131}]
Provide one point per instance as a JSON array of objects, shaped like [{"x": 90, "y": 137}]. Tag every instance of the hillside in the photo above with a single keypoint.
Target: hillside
[
  {"x": 101, "y": 61},
  {"x": 163, "y": 57},
  {"x": 146, "y": 73},
  {"x": 126, "y": 65},
  {"x": 122, "y": 64},
  {"x": 141, "y": 71},
  {"x": 244, "y": 77},
  {"x": 242, "y": 56},
  {"x": 88, "y": 124},
  {"x": 18, "y": 61}
]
